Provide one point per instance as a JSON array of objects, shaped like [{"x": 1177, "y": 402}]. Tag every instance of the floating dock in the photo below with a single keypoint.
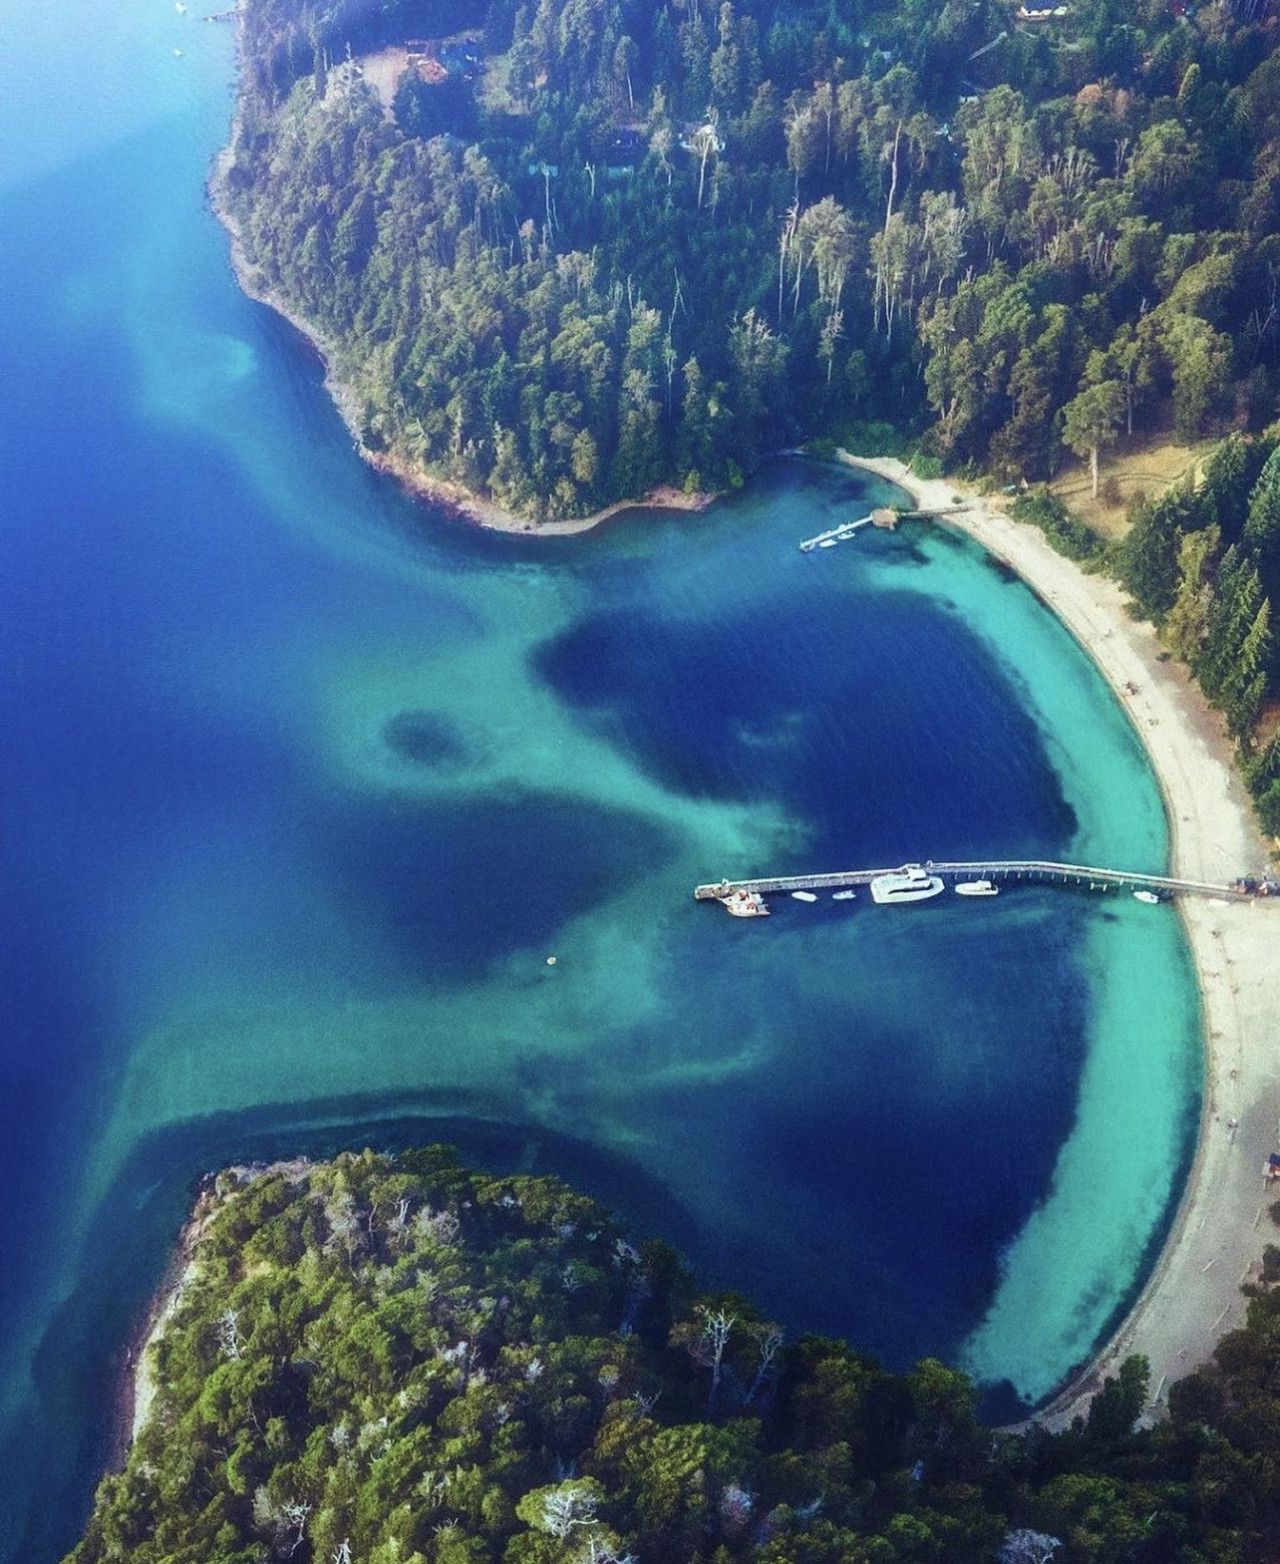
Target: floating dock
[
  {"x": 883, "y": 516},
  {"x": 1029, "y": 870}
]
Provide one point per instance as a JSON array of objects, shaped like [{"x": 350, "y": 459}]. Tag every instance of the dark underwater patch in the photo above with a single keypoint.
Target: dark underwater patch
[
  {"x": 453, "y": 889},
  {"x": 1004, "y": 571},
  {"x": 881, "y": 720},
  {"x": 426, "y": 739}
]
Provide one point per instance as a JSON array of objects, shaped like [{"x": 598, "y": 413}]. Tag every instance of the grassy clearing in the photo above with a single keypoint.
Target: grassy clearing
[{"x": 1122, "y": 474}]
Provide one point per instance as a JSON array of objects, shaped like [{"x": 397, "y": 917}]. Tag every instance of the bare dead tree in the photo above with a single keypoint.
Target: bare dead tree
[
  {"x": 1027, "y": 1547},
  {"x": 566, "y": 1507},
  {"x": 716, "y": 1329},
  {"x": 770, "y": 1338},
  {"x": 398, "y": 1221},
  {"x": 229, "y": 1333},
  {"x": 600, "y": 1551},
  {"x": 785, "y": 240},
  {"x": 294, "y": 1515},
  {"x": 705, "y": 142},
  {"x": 891, "y": 155}
]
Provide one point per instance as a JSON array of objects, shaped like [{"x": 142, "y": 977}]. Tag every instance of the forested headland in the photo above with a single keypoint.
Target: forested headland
[
  {"x": 395, "y": 1360},
  {"x": 587, "y": 246},
  {"x": 562, "y": 252}
]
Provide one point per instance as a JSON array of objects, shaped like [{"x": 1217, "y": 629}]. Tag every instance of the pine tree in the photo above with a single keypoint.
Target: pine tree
[{"x": 1187, "y": 622}]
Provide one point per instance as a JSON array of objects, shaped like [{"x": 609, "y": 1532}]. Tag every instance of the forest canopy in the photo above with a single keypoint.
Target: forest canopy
[
  {"x": 588, "y": 246},
  {"x": 396, "y": 1360}
]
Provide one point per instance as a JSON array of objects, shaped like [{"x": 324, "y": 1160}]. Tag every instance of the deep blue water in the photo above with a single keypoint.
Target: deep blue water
[{"x": 300, "y": 785}]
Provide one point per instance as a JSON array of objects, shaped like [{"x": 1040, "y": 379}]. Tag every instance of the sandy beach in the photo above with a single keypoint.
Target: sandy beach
[{"x": 1193, "y": 1296}]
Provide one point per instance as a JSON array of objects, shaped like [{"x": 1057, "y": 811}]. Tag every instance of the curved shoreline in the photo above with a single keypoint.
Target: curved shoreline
[
  {"x": 1215, "y": 1243},
  {"x": 1192, "y": 1295}
]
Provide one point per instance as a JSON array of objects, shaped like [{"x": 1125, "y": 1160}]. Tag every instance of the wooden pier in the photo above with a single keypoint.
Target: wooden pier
[
  {"x": 1028, "y": 870},
  {"x": 882, "y": 517}
]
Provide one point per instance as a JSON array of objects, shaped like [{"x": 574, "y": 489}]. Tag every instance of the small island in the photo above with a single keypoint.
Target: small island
[
  {"x": 400, "y": 1360},
  {"x": 562, "y": 256}
]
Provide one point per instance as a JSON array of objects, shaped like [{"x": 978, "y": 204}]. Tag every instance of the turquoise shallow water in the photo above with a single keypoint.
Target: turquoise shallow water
[{"x": 301, "y": 786}]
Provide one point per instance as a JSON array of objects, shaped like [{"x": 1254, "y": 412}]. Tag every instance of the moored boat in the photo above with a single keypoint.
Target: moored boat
[
  {"x": 744, "y": 904},
  {"x": 910, "y": 883},
  {"x": 843, "y": 895},
  {"x": 803, "y": 896},
  {"x": 1149, "y": 897},
  {"x": 977, "y": 888}
]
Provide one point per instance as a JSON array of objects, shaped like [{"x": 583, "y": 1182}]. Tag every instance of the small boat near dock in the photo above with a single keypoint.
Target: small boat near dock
[
  {"x": 803, "y": 896},
  {"x": 843, "y": 895},
  {"x": 977, "y": 888},
  {"x": 744, "y": 904},
  {"x": 835, "y": 535},
  {"x": 1149, "y": 897}
]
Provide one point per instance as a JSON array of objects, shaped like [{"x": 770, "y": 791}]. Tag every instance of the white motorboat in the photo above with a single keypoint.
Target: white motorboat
[
  {"x": 977, "y": 888},
  {"x": 843, "y": 895},
  {"x": 744, "y": 904},
  {"x": 1150, "y": 897},
  {"x": 910, "y": 883},
  {"x": 803, "y": 896}
]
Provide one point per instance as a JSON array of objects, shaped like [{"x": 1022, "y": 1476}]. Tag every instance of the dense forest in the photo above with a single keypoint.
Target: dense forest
[
  {"x": 393, "y": 1360},
  {"x": 591, "y": 245}
]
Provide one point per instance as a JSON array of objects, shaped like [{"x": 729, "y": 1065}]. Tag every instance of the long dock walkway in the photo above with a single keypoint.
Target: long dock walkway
[
  {"x": 1032, "y": 870},
  {"x": 846, "y": 529},
  {"x": 883, "y": 517}
]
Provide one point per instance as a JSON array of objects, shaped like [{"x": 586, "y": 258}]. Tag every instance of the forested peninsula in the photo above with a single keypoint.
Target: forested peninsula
[
  {"x": 395, "y": 1360},
  {"x": 561, "y": 251}
]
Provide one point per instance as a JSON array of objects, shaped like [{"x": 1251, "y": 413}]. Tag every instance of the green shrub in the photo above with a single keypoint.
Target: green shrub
[
  {"x": 874, "y": 437},
  {"x": 1068, "y": 534}
]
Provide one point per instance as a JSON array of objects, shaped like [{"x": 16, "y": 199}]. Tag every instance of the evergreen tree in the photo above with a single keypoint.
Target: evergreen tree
[
  {"x": 1262, "y": 524},
  {"x": 1187, "y": 623},
  {"x": 1148, "y": 558},
  {"x": 1091, "y": 420}
]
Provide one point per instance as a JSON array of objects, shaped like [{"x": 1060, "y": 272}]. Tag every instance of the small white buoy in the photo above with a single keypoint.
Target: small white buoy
[{"x": 551, "y": 961}]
